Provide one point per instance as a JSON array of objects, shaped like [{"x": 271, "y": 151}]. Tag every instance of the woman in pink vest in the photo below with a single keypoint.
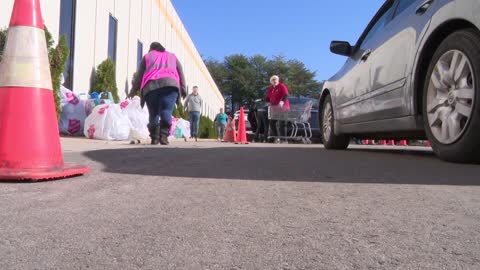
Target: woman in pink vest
[{"x": 161, "y": 81}]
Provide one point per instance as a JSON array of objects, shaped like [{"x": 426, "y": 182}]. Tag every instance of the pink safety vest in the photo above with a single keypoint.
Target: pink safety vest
[{"x": 160, "y": 65}]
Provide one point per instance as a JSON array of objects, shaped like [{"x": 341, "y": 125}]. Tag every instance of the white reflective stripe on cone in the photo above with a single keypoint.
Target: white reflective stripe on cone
[{"x": 25, "y": 59}]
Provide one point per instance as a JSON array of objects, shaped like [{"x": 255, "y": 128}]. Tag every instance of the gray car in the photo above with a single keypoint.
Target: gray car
[{"x": 414, "y": 73}]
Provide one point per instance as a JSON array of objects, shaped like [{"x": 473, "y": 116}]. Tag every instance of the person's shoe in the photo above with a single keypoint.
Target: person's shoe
[
  {"x": 155, "y": 134},
  {"x": 196, "y": 139},
  {"x": 185, "y": 138},
  {"x": 164, "y": 141},
  {"x": 164, "y": 129},
  {"x": 277, "y": 140}
]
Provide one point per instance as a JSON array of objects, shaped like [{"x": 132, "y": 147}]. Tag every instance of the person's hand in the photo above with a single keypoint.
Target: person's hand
[
  {"x": 131, "y": 94},
  {"x": 281, "y": 103},
  {"x": 183, "y": 92}
]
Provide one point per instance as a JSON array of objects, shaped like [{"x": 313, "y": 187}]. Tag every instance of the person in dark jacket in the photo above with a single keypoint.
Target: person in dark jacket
[
  {"x": 162, "y": 82},
  {"x": 261, "y": 116}
]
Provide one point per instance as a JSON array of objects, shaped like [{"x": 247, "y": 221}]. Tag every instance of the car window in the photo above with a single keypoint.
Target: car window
[
  {"x": 300, "y": 100},
  {"x": 378, "y": 25},
  {"x": 379, "y": 21},
  {"x": 296, "y": 100},
  {"x": 404, "y": 4}
]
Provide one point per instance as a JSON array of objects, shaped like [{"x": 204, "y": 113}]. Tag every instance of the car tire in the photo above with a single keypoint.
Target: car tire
[
  {"x": 330, "y": 140},
  {"x": 451, "y": 99}
]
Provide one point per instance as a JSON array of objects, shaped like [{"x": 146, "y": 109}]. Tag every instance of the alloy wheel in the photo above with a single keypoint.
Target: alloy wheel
[
  {"x": 327, "y": 121},
  {"x": 450, "y": 97}
]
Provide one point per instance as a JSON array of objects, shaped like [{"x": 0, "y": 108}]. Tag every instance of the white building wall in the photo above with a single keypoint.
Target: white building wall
[
  {"x": 85, "y": 45},
  {"x": 144, "y": 20},
  {"x": 50, "y": 12}
]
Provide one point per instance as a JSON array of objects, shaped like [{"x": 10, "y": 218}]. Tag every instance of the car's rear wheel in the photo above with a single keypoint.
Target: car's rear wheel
[
  {"x": 450, "y": 101},
  {"x": 330, "y": 140}
]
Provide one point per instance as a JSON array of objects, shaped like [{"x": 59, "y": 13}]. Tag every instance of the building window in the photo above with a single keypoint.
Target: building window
[
  {"x": 67, "y": 28},
  {"x": 112, "y": 38},
  {"x": 139, "y": 52}
]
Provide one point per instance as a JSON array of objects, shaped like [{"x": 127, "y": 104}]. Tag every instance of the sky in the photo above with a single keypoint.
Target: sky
[{"x": 297, "y": 29}]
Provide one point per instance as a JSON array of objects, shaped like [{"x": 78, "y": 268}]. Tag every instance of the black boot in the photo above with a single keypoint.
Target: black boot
[
  {"x": 164, "y": 130},
  {"x": 154, "y": 133}
]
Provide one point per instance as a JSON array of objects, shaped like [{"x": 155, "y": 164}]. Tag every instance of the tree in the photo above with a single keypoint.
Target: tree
[
  {"x": 260, "y": 65},
  {"x": 278, "y": 66},
  {"x": 241, "y": 79},
  {"x": 105, "y": 79},
  {"x": 217, "y": 70},
  {"x": 301, "y": 81}
]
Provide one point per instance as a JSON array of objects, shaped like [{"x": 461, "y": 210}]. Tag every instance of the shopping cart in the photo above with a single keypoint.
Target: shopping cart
[{"x": 295, "y": 118}]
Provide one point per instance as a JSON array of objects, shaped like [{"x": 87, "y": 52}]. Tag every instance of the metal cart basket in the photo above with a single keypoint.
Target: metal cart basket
[{"x": 295, "y": 118}]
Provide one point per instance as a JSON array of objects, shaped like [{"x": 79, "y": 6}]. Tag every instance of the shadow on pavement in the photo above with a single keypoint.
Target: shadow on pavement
[{"x": 289, "y": 164}]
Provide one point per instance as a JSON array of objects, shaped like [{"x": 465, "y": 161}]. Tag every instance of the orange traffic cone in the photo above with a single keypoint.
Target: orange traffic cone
[
  {"x": 242, "y": 131},
  {"x": 230, "y": 135},
  {"x": 29, "y": 138}
]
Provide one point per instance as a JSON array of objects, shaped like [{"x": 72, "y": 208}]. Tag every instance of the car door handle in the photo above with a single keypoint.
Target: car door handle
[
  {"x": 424, "y": 7},
  {"x": 365, "y": 55}
]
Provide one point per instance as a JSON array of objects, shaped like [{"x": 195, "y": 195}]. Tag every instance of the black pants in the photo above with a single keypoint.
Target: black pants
[
  {"x": 262, "y": 125},
  {"x": 278, "y": 128}
]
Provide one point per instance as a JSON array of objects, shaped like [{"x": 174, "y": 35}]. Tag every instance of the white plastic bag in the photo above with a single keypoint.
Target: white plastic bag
[
  {"x": 73, "y": 113},
  {"x": 184, "y": 126},
  {"x": 107, "y": 122},
  {"x": 138, "y": 117}
]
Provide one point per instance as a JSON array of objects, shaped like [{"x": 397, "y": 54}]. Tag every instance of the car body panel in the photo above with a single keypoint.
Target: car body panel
[
  {"x": 446, "y": 11},
  {"x": 389, "y": 95}
]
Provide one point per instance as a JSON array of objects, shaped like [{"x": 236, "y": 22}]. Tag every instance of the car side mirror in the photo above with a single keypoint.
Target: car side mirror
[{"x": 341, "y": 47}]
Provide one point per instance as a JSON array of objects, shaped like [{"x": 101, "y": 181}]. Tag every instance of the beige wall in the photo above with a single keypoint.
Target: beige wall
[{"x": 144, "y": 20}]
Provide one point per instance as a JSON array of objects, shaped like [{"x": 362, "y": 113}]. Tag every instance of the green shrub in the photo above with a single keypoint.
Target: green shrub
[
  {"x": 179, "y": 112},
  {"x": 3, "y": 39},
  {"x": 137, "y": 92},
  {"x": 206, "y": 129},
  {"x": 105, "y": 79},
  {"x": 58, "y": 57}
]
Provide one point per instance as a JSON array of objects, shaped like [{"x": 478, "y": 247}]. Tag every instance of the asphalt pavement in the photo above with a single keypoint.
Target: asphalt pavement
[{"x": 211, "y": 205}]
